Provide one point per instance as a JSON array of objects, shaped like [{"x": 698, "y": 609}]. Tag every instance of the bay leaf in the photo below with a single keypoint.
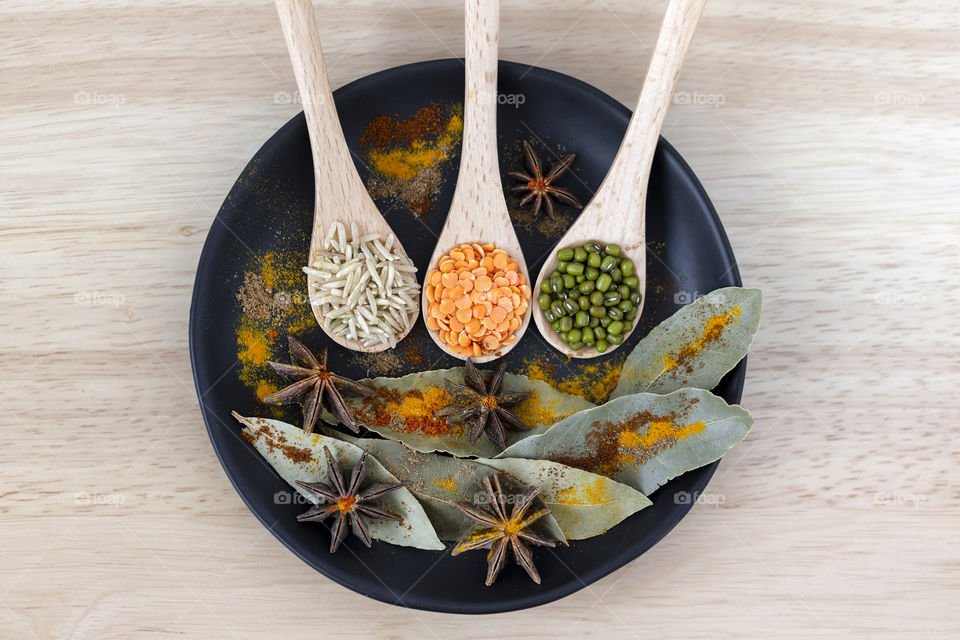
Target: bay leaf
[
  {"x": 404, "y": 409},
  {"x": 582, "y": 504},
  {"x": 696, "y": 346},
  {"x": 585, "y": 504},
  {"x": 644, "y": 439},
  {"x": 437, "y": 479},
  {"x": 296, "y": 455}
]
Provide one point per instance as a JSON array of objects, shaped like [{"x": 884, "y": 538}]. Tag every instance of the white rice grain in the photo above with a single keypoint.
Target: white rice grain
[{"x": 363, "y": 288}]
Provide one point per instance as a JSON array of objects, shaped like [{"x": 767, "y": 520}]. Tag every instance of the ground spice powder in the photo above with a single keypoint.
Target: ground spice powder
[
  {"x": 273, "y": 303},
  {"x": 595, "y": 382},
  {"x": 415, "y": 411},
  {"x": 590, "y": 493},
  {"x": 412, "y": 411},
  {"x": 276, "y": 442},
  {"x": 633, "y": 441},
  {"x": 406, "y": 156},
  {"x": 712, "y": 333}
]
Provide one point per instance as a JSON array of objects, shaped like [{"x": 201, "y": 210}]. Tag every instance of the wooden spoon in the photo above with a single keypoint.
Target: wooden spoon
[
  {"x": 616, "y": 214},
  {"x": 340, "y": 194},
  {"x": 478, "y": 213}
]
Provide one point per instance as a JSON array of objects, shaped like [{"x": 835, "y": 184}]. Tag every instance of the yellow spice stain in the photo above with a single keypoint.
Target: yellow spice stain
[
  {"x": 263, "y": 339},
  {"x": 412, "y": 411},
  {"x": 416, "y": 411},
  {"x": 447, "y": 483},
  {"x": 657, "y": 431},
  {"x": 269, "y": 271},
  {"x": 405, "y": 164},
  {"x": 594, "y": 382},
  {"x": 590, "y": 493},
  {"x": 253, "y": 347},
  {"x": 623, "y": 460},
  {"x": 265, "y": 389},
  {"x": 534, "y": 412},
  {"x": 712, "y": 331},
  {"x": 414, "y": 405},
  {"x": 482, "y": 535}
]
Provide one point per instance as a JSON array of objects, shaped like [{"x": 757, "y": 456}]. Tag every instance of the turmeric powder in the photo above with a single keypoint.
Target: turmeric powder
[
  {"x": 273, "y": 303},
  {"x": 712, "y": 332},
  {"x": 595, "y": 381},
  {"x": 407, "y": 156},
  {"x": 658, "y": 430}
]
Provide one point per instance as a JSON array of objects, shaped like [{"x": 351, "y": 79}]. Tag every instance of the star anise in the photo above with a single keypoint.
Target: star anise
[
  {"x": 482, "y": 402},
  {"x": 502, "y": 530},
  {"x": 315, "y": 388},
  {"x": 346, "y": 501},
  {"x": 540, "y": 187}
]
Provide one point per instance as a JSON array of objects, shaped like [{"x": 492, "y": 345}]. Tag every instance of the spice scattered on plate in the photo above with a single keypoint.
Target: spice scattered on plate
[
  {"x": 272, "y": 303},
  {"x": 591, "y": 298},
  {"x": 407, "y": 157},
  {"x": 366, "y": 287},
  {"x": 477, "y": 299}
]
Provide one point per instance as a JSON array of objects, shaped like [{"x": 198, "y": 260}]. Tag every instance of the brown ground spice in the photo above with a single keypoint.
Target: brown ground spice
[
  {"x": 406, "y": 157},
  {"x": 381, "y": 363},
  {"x": 415, "y": 409},
  {"x": 414, "y": 348},
  {"x": 712, "y": 333},
  {"x": 542, "y": 223},
  {"x": 258, "y": 300},
  {"x": 278, "y": 442},
  {"x": 385, "y": 131},
  {"x": 606, "y": 441},
  {"x": 273, "y": 303},
  {"x": 417, "y": 193}
]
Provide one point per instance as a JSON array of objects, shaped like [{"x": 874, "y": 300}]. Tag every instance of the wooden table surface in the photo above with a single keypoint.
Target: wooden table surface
[{"x": 825, "y": 131}]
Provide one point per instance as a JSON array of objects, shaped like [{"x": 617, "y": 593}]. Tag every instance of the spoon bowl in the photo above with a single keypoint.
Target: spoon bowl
[
  {"x": 616, "y": 214},
  {"x": 478, "y": 213},
  {"x": 339, "y": 193},
  {"x": 631, "y": 240}
]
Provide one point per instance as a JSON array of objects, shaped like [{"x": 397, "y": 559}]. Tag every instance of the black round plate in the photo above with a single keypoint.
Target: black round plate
[{"x": 688, "y": 254}]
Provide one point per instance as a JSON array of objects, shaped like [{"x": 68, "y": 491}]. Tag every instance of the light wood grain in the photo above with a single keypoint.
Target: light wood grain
[
  {"x": 339, "y": 194},
  {"x": 478, "y": 213},
  {"x": 617, "y": 212},
  {"x": 826, "y": 134}
]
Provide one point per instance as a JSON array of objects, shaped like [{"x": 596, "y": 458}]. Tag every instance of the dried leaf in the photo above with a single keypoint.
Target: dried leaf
[
  {"x": 406, "y": 410},
  {"x": 696, "y": 346},
  {"x": 582, "y": 504},
  {"x": 296, "y": 455},
  {"x": 642, "y": 440},
  {"x": 436, "y": 480}
]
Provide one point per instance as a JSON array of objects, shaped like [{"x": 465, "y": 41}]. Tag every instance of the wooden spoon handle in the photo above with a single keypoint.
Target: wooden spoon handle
[
  {"x": 625, "y": 186},
  {"x": 478, "y": 184},
  {"x": 336, "y": 180}
]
